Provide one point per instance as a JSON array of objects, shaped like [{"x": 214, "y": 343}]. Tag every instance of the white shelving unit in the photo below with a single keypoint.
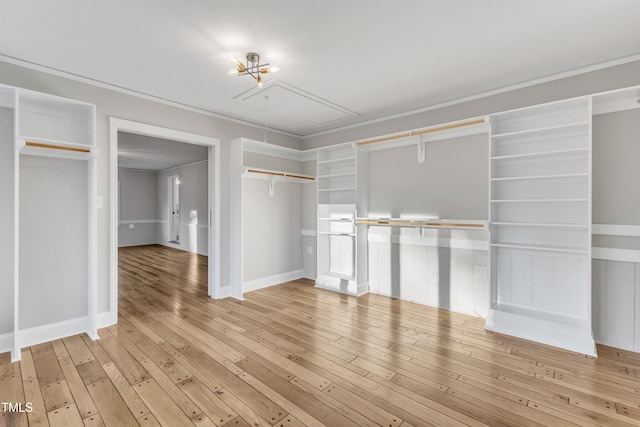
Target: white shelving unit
[
  {"x": 540, "y": 219},
  {"x": 55, "y": 255},
  {"x": 342, "y": 196}
]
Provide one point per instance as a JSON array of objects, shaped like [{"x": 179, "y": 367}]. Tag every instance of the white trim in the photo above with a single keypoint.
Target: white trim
[
  {"x": 477, "y": 245},
  {"x": 616, "y": 230},
  {"x": 131, "y": 92},
  {"x": 104, "y": 319},
  {"x": 142, "y": 221},
  {"x": 52, "y": 331},
  {"x": 6, "y": 343},
  {"x": 184, "y": 224},
  {"x": 265, "y": 282},
  {"x": 612, "y": 254},
  {"x": 308, "y": 233},
  {"x": 569, "y": 337},
  {"x": 116, "y": 125}
]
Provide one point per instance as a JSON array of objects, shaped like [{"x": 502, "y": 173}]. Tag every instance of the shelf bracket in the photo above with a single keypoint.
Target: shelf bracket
[
  {"x": 422, "y": 142},
  {"x": 272, "y": 184},
  {"x": 420, "y": 234}
]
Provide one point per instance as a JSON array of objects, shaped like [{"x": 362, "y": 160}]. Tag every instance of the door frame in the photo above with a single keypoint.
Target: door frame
[{"x": 116, "y": 125}]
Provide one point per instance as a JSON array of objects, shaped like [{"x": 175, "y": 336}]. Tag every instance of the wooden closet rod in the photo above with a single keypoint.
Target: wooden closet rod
[
  {"x": 422, "y": 132},
  {"x": 282, "y": 174},
  {"x": 57, "y": 147}
]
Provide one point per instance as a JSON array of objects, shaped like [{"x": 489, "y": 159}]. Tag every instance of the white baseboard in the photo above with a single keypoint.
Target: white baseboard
[
  {"x": 569, "y": 337},
  {"x": 6, "y": 342},
  {"x": 264, "y": 282},
  {"x": 53, "y": 331}
]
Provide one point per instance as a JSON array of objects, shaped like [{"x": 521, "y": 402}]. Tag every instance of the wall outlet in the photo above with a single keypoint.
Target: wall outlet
[
  {"x": 479, "y": 272},
  {"x": 310, "y": 250},
  {"x": 132, "y": 225}
]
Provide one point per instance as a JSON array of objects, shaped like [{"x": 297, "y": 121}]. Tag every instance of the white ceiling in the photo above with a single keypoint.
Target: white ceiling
[
  {"x": 341, "y": 62},
  {"x": 154, "y": 154}
]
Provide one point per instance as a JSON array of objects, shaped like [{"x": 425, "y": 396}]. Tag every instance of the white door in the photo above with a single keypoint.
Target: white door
[{"x": 174, "y": 209}]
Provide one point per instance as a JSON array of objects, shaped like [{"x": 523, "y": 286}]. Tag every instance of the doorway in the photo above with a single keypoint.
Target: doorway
[{"x": 209, "y": 219}]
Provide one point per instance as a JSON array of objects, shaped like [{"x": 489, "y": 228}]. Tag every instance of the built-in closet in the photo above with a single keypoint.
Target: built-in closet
[
  {"x": 50, "y": 213},
  {"x": 269, "y": 186},
  {"x": 508, "y": 235}
]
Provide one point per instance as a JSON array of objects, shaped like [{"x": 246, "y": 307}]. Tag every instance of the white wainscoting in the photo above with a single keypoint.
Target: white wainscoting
[
  {"x": 445, "y": 272},
  {"x": 616, "y": 290}
]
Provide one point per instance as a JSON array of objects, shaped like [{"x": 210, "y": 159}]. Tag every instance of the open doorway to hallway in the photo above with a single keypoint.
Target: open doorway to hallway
[{"x": 165, "y": 192}]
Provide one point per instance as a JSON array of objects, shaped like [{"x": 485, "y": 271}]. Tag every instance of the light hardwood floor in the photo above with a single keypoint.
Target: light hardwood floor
[{"x": 293, "y": 355}]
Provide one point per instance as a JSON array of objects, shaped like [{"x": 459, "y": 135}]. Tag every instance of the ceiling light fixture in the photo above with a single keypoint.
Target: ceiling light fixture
[{"x": 252, "y": 67}]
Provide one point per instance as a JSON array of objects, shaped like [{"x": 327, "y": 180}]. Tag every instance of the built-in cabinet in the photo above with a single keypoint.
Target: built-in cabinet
[
  {"x": 540, "y": 215},
  {"x": 52, "y": 210},
  {"x": 342, "y": 197}
]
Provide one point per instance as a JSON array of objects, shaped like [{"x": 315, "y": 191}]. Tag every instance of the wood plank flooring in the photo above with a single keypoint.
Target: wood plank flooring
[{"x": 292, "y": 355}]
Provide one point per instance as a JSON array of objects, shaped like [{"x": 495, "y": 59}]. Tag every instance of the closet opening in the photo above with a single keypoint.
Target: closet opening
[{"x": 165, "y": 215}]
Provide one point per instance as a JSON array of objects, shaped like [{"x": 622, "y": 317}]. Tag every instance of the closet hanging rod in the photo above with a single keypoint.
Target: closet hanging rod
[
  {"x": 282, "y": 174},
  {"x": 422, "y": 132},
  {"x": 419, "y": 223},
  {"x": 57, "y": 147}
]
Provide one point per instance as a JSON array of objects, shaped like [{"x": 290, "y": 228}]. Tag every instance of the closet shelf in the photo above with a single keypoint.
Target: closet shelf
[
  {"x": 336, "y": 233},
  {"x": 537, "y": 200},
  {"x": 336, "y": 219},
  {"x": 541, "y": 154},
  {"x": 338, "y": 160},
  {"x": 337, "y": 175},
  {"x": 549, "y": 130},
  {"x": 568, "y": 250},
  {"x": 333, "y": 190},
  {"x": 57, "y": 149},
  {"x": 539, "y": 224},
  {"x": 423, "y": 223},
  {"x": 518, "y": 178},
  {"x": 267, "y": 173}
]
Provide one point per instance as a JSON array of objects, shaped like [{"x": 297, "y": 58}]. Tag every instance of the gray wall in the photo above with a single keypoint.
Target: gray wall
[
  {"x": 53, "y": 240},
  {"x": 116, "y": 104},
  {"x": 271, "y": 228},
  {"x": 452, "y": 183},
  {"x": 616, "y": 168},
  {"x": 138, "y": 207},
  {"x": 6, "y": 221}
]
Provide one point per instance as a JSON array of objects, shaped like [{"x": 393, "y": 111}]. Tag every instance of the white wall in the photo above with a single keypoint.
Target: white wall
[
  {"x": 6, "y": 221},
  {"x": 309, "y": 221},
  {"x": 194, "y": 199},
  {"x": 139, "y": 214}
]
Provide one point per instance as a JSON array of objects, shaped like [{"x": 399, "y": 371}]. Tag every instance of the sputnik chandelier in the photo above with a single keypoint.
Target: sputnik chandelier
[{"x": 252, "y": 67}]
